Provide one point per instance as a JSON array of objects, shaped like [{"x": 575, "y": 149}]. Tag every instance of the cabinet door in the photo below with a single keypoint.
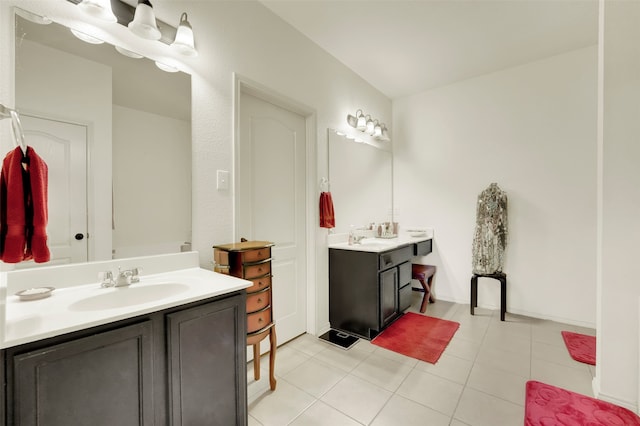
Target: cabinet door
[
  {"x": 3, "y": 387},
  {"x": 100, "y": 380},
  {"x": 207, "y": 364},
  {"x": 388, "y": 296}
]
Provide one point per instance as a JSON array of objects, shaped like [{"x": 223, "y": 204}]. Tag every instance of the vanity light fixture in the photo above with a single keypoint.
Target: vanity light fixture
[
  {"x": 144, "y": 22},
  {"x": 370, "y": 125},
  {"x": 377, "y": 130},
  {"x": 184, "y": 42},
  {"x": 86, "y": 37},
  {"x": 35, "y": 18},
  {"x": 128, "y": 53},
  {"x": 166, "y": 68},
  {"x": 366, "y": 124},
  {"x": 99, "y": 9}
]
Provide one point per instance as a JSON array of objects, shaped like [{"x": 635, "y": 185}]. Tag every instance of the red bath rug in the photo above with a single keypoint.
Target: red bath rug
[
  {"x": 581, "y": 347},
  {"x": 548, "y": 405},
  {"x": 418, "y": 336}
]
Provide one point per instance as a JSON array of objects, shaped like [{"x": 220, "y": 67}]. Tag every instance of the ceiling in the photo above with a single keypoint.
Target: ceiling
[{"x": 405, "y": 47}]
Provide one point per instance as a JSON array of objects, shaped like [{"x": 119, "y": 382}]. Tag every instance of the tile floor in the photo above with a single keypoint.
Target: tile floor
[{"x": 478, "y": 381}]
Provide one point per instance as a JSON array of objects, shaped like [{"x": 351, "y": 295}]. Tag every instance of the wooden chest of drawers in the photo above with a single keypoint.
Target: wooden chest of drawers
[{"x": 251, "y": 260}]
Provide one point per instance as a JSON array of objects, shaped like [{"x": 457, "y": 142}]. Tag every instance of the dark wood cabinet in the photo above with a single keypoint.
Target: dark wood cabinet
[
  {"x": 204, "y": 379},
  {"x": 181, "y": 366},
  {"x": 368, "y": 290},
  {"x": 251, "y": 260},
  {"x": 100, "y": 380}
]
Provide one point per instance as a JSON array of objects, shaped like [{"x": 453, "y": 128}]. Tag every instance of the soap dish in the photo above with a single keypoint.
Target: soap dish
[
  {"x": 417, "y": 232},
  {"x": 35, "y": 293}
]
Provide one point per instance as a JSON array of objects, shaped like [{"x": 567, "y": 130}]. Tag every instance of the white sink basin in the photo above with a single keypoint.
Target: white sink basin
[
  {"x": 372, "y": 242},
  {"x": 120, "y": 297}
]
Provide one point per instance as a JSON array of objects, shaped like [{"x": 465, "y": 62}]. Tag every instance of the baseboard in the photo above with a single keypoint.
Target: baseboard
[
  {"x": 612, "y": 399},
  {"x": 522, "y": 312},
  {"x": 322, "y": 329}
]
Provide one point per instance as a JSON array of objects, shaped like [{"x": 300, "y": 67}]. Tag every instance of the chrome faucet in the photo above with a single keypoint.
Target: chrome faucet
[{"x": 123, "y": 279}]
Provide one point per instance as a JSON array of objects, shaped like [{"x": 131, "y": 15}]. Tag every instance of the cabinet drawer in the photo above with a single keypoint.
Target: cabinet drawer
[
  {"x": 256, "y": 255},
  {"x": 257, "y": 336},
  {"x": 259, "y": 300},
  {"x": 259, "y": 284},
  {"x": 395, "y": 257},
  {"x": 258, "y": 320},
  {"x": 405, "y": 273},
  {"x": 256, "y": 270},
  {"x": 422, "y": 248}
]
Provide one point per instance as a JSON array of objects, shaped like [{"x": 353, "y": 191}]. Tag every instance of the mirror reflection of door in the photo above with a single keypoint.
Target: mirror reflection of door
[{"x": 63, "y": 146}]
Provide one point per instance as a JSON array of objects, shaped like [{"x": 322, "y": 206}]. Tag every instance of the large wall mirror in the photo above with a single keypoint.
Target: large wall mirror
[
  {"x": 116, "y": 135},
  {"x": 361, "y": 181}
]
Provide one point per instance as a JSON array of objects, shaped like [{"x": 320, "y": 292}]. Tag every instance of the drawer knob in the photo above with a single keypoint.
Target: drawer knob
[
  {"x": 260, "y": 320},
  {"x": 259, "y": 300}
]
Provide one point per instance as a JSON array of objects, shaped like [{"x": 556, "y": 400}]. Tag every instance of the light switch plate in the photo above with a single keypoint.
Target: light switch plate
[{"x": 223, "y": 179}]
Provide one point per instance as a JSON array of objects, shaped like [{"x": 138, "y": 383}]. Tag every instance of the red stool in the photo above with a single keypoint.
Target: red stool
[{"x": 426, "y": 275}]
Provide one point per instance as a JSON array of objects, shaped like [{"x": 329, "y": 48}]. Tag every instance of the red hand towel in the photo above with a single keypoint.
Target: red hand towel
[
  {"x": 327, "y": 216},
  {"x": 23, "y": 237}
]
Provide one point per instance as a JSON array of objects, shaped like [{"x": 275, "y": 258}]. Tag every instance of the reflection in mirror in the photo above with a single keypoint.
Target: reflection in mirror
[
  {"x": 360, "y": 179},
  {"x": 116, "y": 135}
]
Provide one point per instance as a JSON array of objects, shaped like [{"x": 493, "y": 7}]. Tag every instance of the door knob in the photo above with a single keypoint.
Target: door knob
[{"x": 79, "y": 236}]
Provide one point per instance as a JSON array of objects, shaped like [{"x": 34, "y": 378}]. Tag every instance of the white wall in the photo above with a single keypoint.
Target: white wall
[
  {"x": 531, "y": 129},
  {"x": 240, "y": 37},
  {"x": 617, "y": 338}
]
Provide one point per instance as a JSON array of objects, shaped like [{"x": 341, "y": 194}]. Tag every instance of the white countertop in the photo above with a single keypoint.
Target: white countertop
[
  {"x": 79, "y": 307},
  {"x": 378, "y": 245}
]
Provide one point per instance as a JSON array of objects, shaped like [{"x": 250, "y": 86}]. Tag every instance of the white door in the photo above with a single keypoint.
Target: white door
[
  {"x": 63, "y": 146},
  {"x": 270, "y": 203}
]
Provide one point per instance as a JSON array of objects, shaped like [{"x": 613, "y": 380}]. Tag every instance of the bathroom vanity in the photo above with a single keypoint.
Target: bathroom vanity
[
  {"x": 170, "y": 349},
  {"x": 370, "y": 283}
]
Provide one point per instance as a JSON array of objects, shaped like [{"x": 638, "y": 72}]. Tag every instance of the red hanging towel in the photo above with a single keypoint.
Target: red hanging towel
[
  {"x": 327, "y": 216},
  {"x": 23, "y": 211}
]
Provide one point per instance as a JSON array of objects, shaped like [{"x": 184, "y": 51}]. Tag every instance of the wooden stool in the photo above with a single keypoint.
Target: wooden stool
[
  {"x": 425, "y": 274},
  {"x": 500, "y": 276}
]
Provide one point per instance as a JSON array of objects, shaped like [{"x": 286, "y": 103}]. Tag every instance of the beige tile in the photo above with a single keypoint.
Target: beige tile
[
  {"x": 308, "y": 344},
  {"x": 448, "y": 367},
  {"x": 402, "y": 411},
  {"x": 314, "y": 377},
  {"x": 346, "y": 360},
  {"x": 480, "y": 409},
  {"x": 575, "y": 380},
  {"x": 381, "y": 371},
  {"x": 548, "y": 332},
  {"x": 253, "y": 422},
  {"x": 456, "y": 422},
  {"x": 498, "y": 383},
  {"x": 507, "y": 342},
  {"x": 320, "y": 414},
  {"x": 557, "y": 354},
  {"x": 463, "y": 348},
  {"x": 397, "y": 357},
  {"x": 432, "y": 391},
  {"x": 281, "y": 406},
  {"x": 357, "y": 398},
  {"x": 510, "y": 362}
]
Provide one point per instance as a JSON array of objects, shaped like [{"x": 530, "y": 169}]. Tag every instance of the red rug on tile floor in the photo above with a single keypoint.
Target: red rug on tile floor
[
  {"x": 418, "y": 336},
  {"x": 548, "y": 405},
  {"x": 581, "y": 347}
]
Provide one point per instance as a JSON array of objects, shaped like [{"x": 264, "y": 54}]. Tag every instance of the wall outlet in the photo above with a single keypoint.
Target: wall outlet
[{"x": 223, "y": 180}]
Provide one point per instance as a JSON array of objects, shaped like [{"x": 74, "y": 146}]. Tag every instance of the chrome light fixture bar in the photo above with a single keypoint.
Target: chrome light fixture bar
[
  {"x": 368, "y": 125},
  {"x": 125, "y": 14}
]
